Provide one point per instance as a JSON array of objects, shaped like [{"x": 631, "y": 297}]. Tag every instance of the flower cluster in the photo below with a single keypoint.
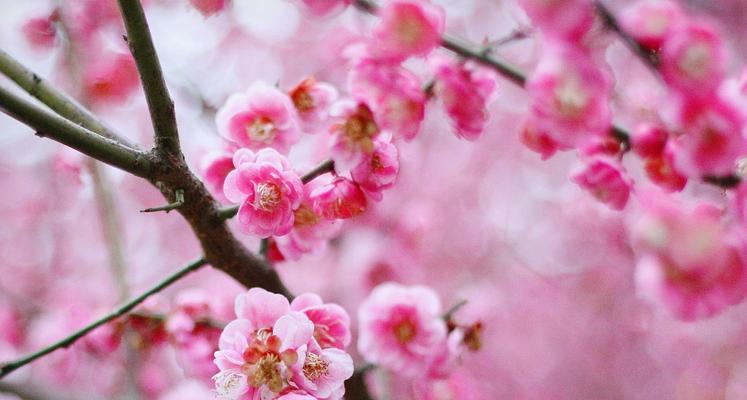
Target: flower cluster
[{"x": 280, "y": 350}]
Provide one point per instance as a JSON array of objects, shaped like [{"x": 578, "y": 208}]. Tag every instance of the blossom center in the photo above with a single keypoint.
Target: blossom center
[
  {"x": 360, "y": 128},
  {"x": 305, "y": 216},
  {"x": 404, "y": 331},
  {"x": 314, "y": 367},
  {"x": 261, "y": 130},
  {"x": 267, "y": 196},
  {"x": 696, "y": 60},
  {"x": 265, "y": 372},
  {"x": 571, "y": 98},
  {"x": 302, "y": 100}
]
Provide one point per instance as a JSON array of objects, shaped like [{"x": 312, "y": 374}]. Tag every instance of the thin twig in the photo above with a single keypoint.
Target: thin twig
[
  {"x": 157, "y": 94},
  {"x": 49, "y": 124},
  {"x": 7, "y": 368},
  {"x": 178, "y": 202},
  {"x": 650, "y": 58},
  {"x": 449, "y": 314}
]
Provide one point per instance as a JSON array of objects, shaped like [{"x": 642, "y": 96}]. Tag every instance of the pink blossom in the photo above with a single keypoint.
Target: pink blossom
[
  {"x": 537, "y": 140},
  {"x": 465, "y": 90},
  {"x": 215, "y": 167},
  {"x": 111, "y": 77},
  {"x": 310, "y": 231},
  {"x": 401, "y": 329},
  {"x": 312, "y": 100},
  {"x": 606, "y": 181},
  {"x": 380, "y": 171},
  {"x": 331, "y": 322},
  {"x": 570, "y": 97},
  {"x": 322, "y": 372},
  {"x": 407, "y": 28},
  {"x": 209, "y": 7},
  {"x": 263, "y": 116},
  {"x": 689, "y": 261},
  {"x": 353, "y": 130},
  {"x": 662, "y": 171},
  {"x": 268, "y": 190},
  {"x": 394, "y": 94},
  {"x": 41, "y": 32},
  {"x": 341, "y": 199},
  {"x": 325, "y": 7},
  {"x": 563, "y": 19},
  {"x": 651, "y": 23},
  {"x": 693, "y": 60},
  {"x": 711, "y": 139},
  {"x": 648, "y": 140}
]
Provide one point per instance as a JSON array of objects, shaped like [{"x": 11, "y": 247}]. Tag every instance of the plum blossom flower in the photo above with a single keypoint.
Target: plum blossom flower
[
  {"x": 606, "y": 181},
  {"x": 689, "y": 260},
  {"x": 662, "y": 171},
  {"x": 342, "y": 198},
  {"x": 269, "y": 352},
  {"x": 693, "y": 60},
  {"x": 401, "y": 329},
  {"x": 331, "y": 322},
  {"x": 267, "y": 189},
  {"x": 711, "y": 139},
  {"x": 215, "y": 166},
  {"x": 353, "y": 130},
  {"x": 537, "y": 140},
  {"x": 562, "y": 19},
  {"x": 379, "y": 172},
  {"x": 465, "y": 90},
  {"x": 570, "y": 97},
  {"x": 310, "y": 231},
  {"x": 649, "y": 140},
  {"x": 651, "y": 23},
  {"x": 41, "y": 32},
  {"x": 394, "y": 94},
  {"x": 312, "y": 100},
  {"x": 111, "y": 77},
  {"x": 263, "y": 116},
  {"x": 407, "y": 28}
]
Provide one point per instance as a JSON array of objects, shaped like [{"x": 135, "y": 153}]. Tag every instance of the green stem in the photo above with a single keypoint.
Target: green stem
[
  {"x": 7, "y": 368},
  {"x": 48, "y": 124},
  {"x": 178, "y": 202}
]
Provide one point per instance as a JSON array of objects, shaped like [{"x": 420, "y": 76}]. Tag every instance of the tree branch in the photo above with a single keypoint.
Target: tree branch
[
  {"x": 7, "y": 368},
  {"x": 650, "y": 58},
  {"x": 59, "y": 102},
  {"x": 157, "y": 94},
  {"x": 48, "y": 124}
]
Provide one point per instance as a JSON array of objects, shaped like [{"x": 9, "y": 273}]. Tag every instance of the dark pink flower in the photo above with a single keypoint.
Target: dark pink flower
[
  {"x": 340, "y": 199},
  {"x": 606, "y": 181},
  {"x": 379, "y": 172},
  {"x": 407, "y": 28}
]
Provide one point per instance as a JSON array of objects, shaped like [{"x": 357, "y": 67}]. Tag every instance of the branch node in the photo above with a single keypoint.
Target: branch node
[{"x": 178, "y": 202}]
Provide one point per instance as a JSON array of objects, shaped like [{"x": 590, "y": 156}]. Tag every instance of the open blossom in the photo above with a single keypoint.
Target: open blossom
[
  {"x": 342, "y": 198},
  {"x": 562, "y": 19},
  {"x": 263, "y": 116},
  {"x": 570, "y": 97},
  {"x": 311, "y": 231},
  {"x": 693, "y": 60},
  {"x": 407, "y": 28},
  {"x": 662, "y": 171},
  {"x": 465, "y": 90},
  {"x": 401, "y": 328},
  {"x": 394, "y": 93},
  {"x": 111, "y": 77},
  {"x": 605, "y": 180},
  {"x": 711, "y": 140},
  {"x": 331, "y": 322},
  {"x": 41, "y": 32},
  {"x": 270, "y": 352},
  {"x": 651, "y": 23},
  {"x": 353, "y": 130},
  {"x": 215, "y": 167},
  {"x": 312, "y": 100},
  {"x": 267, "y": 189},
  {"x": 379, "y": 172},
  {"x": 689, "y": 260}
]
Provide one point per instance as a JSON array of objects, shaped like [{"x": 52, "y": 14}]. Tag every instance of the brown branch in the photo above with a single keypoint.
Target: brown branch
[{"x": 156, "y": 93}]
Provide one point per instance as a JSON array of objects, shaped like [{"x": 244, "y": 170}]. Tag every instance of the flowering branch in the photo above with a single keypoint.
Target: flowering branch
[
  {"x": 50, "y": 125},
  {"x": 7, "y": 368},
  {"x": 650, "y": 58},
  {"x": 157, "y": 94}
]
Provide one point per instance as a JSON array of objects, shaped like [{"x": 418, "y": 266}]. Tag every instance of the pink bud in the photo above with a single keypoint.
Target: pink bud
[{"x": 341, "y": 199}]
